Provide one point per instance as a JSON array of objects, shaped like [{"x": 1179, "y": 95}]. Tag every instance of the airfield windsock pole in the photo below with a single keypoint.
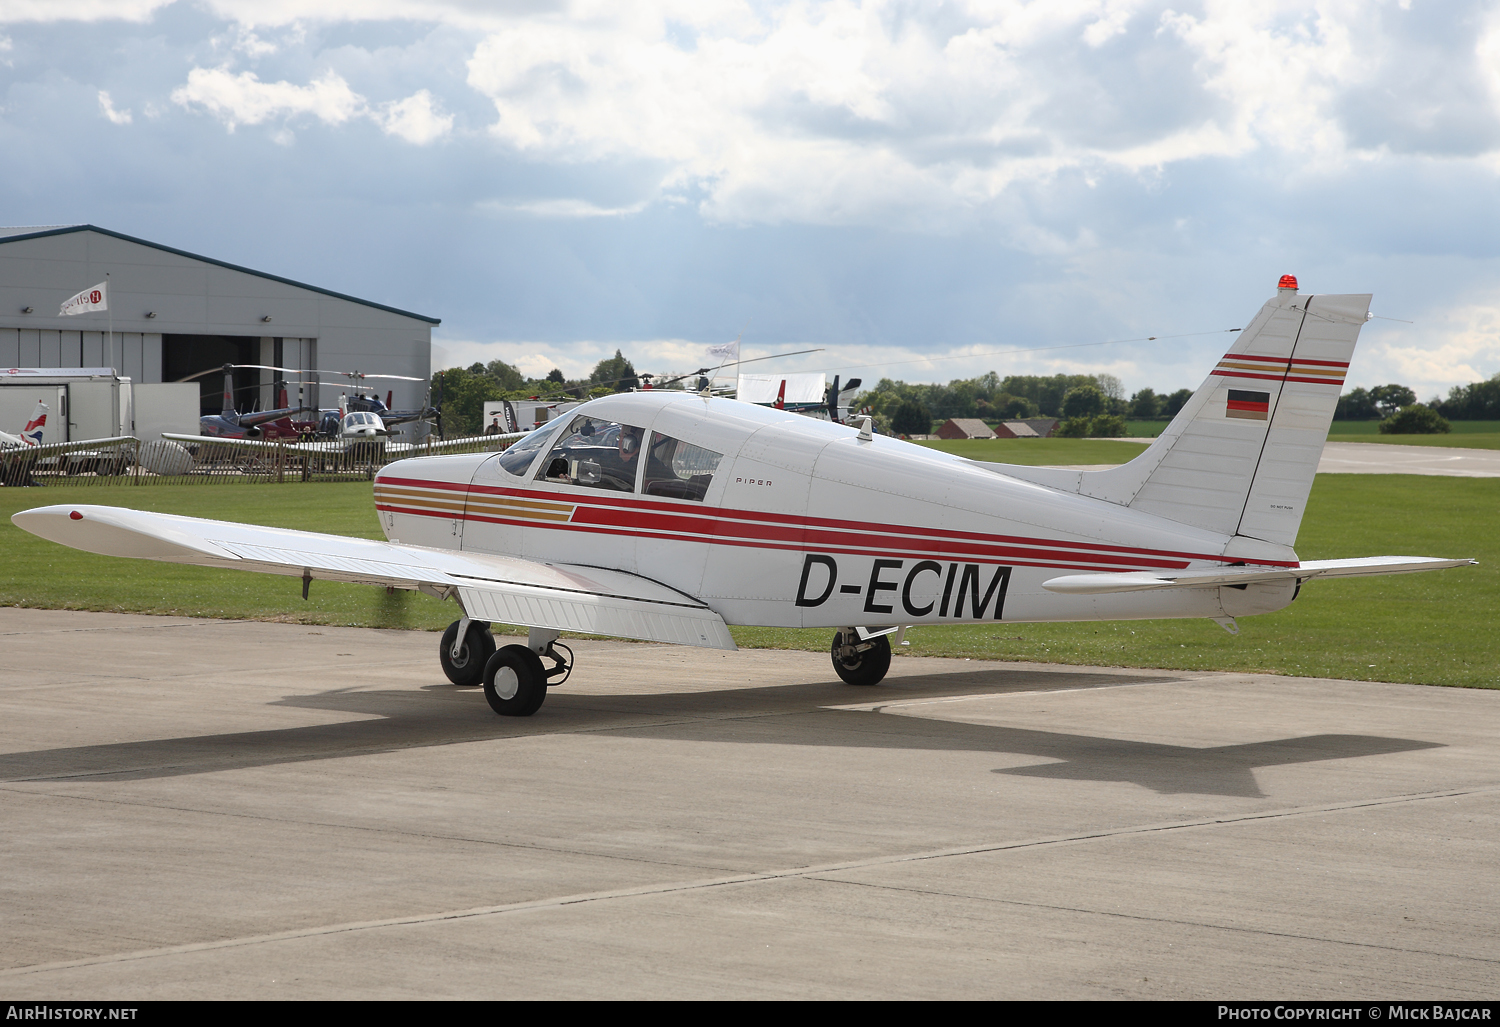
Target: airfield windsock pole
[{"x": 120, "y": 369}]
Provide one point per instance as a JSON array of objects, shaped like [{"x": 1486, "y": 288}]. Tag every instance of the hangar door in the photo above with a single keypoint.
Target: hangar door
[{"x": 182, "y": 355}]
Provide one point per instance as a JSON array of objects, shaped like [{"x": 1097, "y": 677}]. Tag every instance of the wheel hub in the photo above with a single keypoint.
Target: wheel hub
[{"x": 506, "y": 683}]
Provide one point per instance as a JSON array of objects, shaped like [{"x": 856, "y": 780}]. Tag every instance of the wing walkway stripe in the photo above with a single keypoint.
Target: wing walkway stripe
[{"x": 671, "y": 887}]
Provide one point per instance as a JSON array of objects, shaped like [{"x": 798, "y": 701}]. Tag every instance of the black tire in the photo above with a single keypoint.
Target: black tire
[
  {"x": 515, "y": 682},
  {"x": 468, "y": 670},
  {"x": 862, "y": 668}
]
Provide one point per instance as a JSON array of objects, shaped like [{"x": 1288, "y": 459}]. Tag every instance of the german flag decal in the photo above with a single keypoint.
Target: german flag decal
[{"x": 1254, "y": 406}]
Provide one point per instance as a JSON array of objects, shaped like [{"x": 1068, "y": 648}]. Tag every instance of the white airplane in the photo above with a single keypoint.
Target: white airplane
[
  {"x": 668, "y": 516},
  {"x": 21, "y": 454}
]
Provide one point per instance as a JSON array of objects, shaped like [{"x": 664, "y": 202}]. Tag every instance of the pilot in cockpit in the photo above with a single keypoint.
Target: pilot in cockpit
[{"x": 630, "y": 444}]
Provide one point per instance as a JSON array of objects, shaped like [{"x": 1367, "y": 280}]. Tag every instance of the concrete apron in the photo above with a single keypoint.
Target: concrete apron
[{"x": 199, "y": 808}]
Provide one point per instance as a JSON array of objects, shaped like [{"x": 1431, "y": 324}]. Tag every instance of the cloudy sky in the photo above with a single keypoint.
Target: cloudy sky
[{"x": 918, "y": 187}]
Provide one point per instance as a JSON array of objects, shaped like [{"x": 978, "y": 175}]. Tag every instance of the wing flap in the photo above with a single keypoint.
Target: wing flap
[
  {"x": 492, "y": 587},
  {"x": 1143, "y": 581}
]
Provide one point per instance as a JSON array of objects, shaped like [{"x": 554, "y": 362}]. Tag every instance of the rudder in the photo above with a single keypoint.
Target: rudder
[{"x": 1241, "y": 455}]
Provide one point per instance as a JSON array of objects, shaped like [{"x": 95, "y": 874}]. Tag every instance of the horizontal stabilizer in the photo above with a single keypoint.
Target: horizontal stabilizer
[
  {"x": 500, "y": 588},
  {"x": 1145, "y": 581}
]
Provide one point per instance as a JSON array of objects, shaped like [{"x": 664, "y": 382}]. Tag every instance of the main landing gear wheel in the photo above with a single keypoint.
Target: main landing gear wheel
[
  {"x": 861, "y": 663},
  {"x": 467, "y": 669},
  {"x": 515, "y": 682}
]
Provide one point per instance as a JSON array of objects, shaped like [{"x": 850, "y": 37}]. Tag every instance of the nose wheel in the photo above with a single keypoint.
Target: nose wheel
[{"x": 860, "y": 663}]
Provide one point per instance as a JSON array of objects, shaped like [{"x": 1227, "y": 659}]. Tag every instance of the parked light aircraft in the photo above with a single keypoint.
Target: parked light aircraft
[
  {"x": 668, "y": 516},
  {"x": 23, "y": 453}
]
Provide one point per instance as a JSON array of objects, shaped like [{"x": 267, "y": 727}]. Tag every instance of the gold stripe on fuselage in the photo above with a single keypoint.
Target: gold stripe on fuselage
[
  {"x": 447, "y": 503},
  {"x": 528, "y": 509}
]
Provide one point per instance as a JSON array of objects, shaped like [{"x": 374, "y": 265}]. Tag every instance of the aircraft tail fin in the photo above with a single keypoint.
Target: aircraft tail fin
[
  {"x": 1241, "y": 455},
  {"x": 228, "y": 412},
  {"x": 32, "y": 433}
]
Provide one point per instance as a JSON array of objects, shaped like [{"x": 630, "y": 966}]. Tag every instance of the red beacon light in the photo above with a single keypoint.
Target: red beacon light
[
  {"x": 1287, "y": 282},
  {"x": 75, "y": 515}
]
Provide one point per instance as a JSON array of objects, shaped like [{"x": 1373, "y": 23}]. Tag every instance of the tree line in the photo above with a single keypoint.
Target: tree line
[
  {"x": 1086, "y": 405},
  {"x": 1477, "y": 401},
  {"x": 1096, "y": 406},
  {"x": 461, "y": 392}
]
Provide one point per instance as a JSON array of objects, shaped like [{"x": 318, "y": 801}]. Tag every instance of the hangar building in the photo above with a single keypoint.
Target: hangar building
[{"x": 175, "y": 313}]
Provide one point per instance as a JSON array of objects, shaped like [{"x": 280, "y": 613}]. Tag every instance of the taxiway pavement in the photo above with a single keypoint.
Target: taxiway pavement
[{"x": 207, "y": 809}]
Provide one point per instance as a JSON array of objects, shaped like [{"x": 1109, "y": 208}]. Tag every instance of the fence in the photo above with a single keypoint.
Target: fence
[{"x": 129, "y": 461}]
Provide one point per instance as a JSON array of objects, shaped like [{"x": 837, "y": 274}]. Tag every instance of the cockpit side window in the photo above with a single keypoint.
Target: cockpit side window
[
  {"x": 678, "y": 470},
  {"x": 518, "y": 457},
  {"x": 596, "y": 454}
]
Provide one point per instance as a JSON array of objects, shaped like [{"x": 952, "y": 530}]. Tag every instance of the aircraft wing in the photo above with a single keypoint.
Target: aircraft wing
[
  {"x": 468, "y": 444},
  {"x": 1143, "y": 581},
  {"x": 257, "y": 445},
  {"x": 50, "y": 449},
  {"x": 495, "y": 588},
  {"x": 461, "y": 445}
]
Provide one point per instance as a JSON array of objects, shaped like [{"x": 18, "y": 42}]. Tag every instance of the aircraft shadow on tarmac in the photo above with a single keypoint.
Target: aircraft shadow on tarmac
[{"x": 771, "y": 715}]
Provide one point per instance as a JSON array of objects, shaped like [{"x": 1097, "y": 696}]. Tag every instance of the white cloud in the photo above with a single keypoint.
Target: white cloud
[
  {"x": 869, "y": 112},
  {"x": 563, "y": 208},
  {"x": 849, "y": 112},
  {"x": 1111, "y": 23},
  {"x": 251, "y": 45},
  {"x": 417, "y": 119},
  {"x": 79, "y": 10},
  {"x": 1456, "y": 345},
  {"x": 108, "y": 110},
  {"x": 245, "y": 100}
]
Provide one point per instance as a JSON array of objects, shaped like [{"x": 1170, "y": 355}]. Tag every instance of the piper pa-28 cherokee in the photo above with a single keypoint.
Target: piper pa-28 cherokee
[{"x": 668, "y": 516}]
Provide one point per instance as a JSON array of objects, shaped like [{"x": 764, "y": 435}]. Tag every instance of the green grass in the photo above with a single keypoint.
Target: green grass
[
  {"x": 1372, "y": 428},
  {"x": 1465, "y": 435},
  {"x": 42, "y": 574},
  {"x": 1032, "y": 452},
  {"x": 1435, "y": 628}
]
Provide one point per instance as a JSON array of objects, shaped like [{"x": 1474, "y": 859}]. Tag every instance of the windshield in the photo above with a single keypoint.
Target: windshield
[
  {"x": 596, "y": 453},
  {"x": 518, "y": 457}
]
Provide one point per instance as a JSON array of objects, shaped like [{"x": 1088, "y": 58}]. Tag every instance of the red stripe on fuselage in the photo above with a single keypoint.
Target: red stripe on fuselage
[
  {"x": 794, "y": 520},
  {"x": 655, "y": 519}
]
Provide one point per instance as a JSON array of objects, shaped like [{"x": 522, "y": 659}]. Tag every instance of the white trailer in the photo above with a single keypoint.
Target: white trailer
[{"x": 82, "y": 402}]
